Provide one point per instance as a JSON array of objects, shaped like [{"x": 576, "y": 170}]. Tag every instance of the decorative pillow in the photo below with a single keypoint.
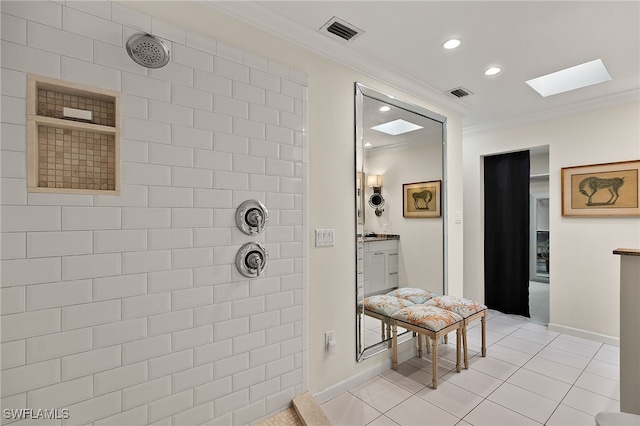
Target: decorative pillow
[
  {"x": 429, "y": 317},
  {"x": 384, "y": 304},
  {"x": 461, "y": 306},
  {"x": 415, "y": 295}
]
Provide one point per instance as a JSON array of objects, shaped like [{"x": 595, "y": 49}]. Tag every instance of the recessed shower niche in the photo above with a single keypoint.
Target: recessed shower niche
[{"x": 74, "y": 138}]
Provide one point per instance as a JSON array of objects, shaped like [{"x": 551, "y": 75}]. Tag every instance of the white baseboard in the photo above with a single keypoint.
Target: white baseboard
[
  {"x": 359, "y": 378},
  {"x": 577, "y": 332}
]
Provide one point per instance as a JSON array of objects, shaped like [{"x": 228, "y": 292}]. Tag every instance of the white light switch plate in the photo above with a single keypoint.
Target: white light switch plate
[
  {"x": 325, "y": 237},
  {"x": 458, "y": 217}
]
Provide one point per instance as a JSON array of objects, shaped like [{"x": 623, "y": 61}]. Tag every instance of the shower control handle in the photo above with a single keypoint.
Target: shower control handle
[
  {"x": 252, "y": 217},
  {"x": 254, "y": 261}
]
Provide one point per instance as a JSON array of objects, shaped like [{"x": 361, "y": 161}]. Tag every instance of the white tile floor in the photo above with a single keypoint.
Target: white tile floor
[{"x": 531, "y": 376}]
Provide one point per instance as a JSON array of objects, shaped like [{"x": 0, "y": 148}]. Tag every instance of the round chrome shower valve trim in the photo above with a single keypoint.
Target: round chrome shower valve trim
[
  {"x": 251, "y": 217},
  {"x": 252, "y": 259}
]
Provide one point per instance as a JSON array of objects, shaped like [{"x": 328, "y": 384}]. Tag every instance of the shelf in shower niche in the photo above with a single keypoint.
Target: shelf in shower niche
[{"x": 68, "y": 155}]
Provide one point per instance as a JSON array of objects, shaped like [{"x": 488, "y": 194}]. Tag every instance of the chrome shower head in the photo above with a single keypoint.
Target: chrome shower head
[{"x": 147, "y": 50}]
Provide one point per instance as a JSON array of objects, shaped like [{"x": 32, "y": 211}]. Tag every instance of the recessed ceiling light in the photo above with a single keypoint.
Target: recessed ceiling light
[
  {"x": 367, "y": 145},
  {"x": 570, "y": 78},
  {"x": 451, "y": 44},
  {"x": 385, "y": 108},
  {"x": 396, "y": 127},
  {"x": 492, "y": 71}
]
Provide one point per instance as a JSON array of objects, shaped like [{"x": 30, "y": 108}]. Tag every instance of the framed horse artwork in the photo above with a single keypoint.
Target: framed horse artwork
[
  {"x": 609, "y": 189},
  {"x": 421, "y": 199}
]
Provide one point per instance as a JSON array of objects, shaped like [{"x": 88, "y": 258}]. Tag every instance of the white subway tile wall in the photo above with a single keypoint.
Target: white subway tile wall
[{"x": 128, "y": 309}]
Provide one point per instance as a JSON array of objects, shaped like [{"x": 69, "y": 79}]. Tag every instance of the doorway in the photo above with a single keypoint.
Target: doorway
[{"x": 518, "y": 283}]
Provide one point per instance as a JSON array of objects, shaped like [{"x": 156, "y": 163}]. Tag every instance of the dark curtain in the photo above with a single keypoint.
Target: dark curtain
[{"x": 506, "y": 232}]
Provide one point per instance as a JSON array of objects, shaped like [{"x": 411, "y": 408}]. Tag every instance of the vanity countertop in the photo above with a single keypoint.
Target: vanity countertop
[
  {"x": 378, "y": 237},
  {"x": 627, "y": 252}
]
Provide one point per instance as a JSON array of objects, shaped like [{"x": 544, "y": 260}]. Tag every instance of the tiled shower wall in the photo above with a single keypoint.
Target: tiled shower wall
[{"x": 128, "y": 309}]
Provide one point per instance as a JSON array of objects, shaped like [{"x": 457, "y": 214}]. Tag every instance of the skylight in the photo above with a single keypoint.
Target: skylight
[
  {"x": 396, "y": 127},
  {"x": 571, "y": 78}
]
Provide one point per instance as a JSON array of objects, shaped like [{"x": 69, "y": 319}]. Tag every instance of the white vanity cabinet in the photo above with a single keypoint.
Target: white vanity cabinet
[{"x": 380, "y": 266}]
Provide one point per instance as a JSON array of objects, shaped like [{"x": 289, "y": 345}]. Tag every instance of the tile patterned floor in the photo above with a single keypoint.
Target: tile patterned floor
[
  {"x": 287, "y": 417},
  {"x": 531, "y": 376}
]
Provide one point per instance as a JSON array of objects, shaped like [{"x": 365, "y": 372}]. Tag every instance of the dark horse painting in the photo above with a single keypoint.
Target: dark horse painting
[
  {"x": 425, "y": 196},
  {"x": 589, "y": 186}
]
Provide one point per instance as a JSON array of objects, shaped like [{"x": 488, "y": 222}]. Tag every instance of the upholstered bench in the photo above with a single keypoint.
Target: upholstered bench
[
  {"x": 469, "y": 311},
  {"x": 432, "y": 322},
  {"x": 415, "y": 295},
  {"x": 382, "y": 307}
]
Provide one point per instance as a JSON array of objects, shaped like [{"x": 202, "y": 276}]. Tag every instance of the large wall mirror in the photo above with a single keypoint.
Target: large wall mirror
[{"x": 400, "y": 193}]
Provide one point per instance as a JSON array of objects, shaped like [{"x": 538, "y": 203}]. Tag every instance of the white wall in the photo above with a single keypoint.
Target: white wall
[
  {"x": 128, "y": 309},
  {"x": 584, "y": 288},
  {"x": 331, "y": 277},
  {"x": 420, "y": 247}
]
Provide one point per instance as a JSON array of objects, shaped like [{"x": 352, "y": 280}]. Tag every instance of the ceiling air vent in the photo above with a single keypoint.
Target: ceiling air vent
[
  {"x": 460, "y": 92},
  {"x": 342, "y": 29}
]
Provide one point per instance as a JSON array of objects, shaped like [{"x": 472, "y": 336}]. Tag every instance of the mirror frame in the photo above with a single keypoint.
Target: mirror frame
[{"x": 360, "y": 91}]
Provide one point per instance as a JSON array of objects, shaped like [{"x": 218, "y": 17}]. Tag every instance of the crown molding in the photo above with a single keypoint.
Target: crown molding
[
  {"x": 603, "y": 102},
  {"x": 260, "y": 16}
]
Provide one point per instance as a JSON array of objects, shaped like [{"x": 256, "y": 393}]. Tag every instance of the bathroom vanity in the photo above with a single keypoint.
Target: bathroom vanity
[{"x": 380, "y": 264}]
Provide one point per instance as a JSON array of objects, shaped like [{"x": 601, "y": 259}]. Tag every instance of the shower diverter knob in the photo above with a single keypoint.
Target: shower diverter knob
[
  {"x": 251, "y": 259},
  {"x": 251, "y": 217}
]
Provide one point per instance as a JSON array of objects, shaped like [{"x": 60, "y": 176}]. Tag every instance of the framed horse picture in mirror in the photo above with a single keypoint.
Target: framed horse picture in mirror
[
  {"x": 421, "y": 199},
  {"x": 609, "y": 189}
]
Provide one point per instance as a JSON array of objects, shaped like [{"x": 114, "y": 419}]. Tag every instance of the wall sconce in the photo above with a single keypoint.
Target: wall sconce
[
  {"x": 376, "y": 200},
  {"x": 375, "y": 182}
]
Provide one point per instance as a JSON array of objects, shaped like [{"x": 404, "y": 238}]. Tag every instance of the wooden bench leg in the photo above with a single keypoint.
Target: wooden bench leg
[
  {"x": 464, "y": 347},
  {"x": 427, "y": 341},
  {"x": 458, "y": 333},
  {"x": 446, "y": 339},
  {"x": 484, "y": 334},
  {"x": 394, "y": 340},
  {"x": 419, "y": 345},
  {"x": 434, "y": 363}
]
